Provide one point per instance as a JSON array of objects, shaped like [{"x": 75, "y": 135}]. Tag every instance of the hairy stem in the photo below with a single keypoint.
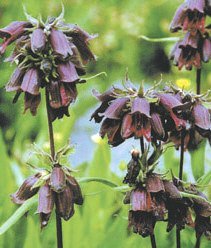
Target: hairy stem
[
  {"x": 152, "y": 236},
  {"x": 198, "y": 81},
  {"x": 52, "y": 148}
]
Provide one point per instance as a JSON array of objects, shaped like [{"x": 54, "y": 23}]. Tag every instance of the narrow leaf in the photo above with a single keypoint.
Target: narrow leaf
[{"x": 167, "y": 39}]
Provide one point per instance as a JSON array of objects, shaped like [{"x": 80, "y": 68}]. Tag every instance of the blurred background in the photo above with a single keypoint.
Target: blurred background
[{"x": 102, "y": 221}]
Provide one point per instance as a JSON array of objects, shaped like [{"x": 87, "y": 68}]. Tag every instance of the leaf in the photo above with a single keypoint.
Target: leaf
[
  {"x": 29, "y": 18},
  {"x": 205, "y": 180},
  {"x": 99, "y": 180},
  {"x": 167, "y": 39},
  {"x": 17, "y": 215},
  {"x": 198, "y": 161}
]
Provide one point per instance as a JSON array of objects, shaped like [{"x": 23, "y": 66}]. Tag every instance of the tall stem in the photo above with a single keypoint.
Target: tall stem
[
  {"x": 198, "y": 81},
  {"x": 152, "y": 236},
  {"x": 178, "y": 236},
  {"x": 52, "y": 148},
  {"x": 181, "y": 155},
  {"x": 198, "y": 242}
]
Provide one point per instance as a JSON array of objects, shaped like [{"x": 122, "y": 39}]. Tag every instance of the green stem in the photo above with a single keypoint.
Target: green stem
[{"x": 52, "y": 148}]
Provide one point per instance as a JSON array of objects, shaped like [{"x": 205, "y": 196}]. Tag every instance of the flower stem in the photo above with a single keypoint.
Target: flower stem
[
  {"x": 181, "y": 155},
  {"x": 142, "y": 145},
  {"x": 198, "y": 81},
  {"x": 198, "y": 241},
  {"x": 52, "y": 148},
  {"x": 152, "y": 236},
  {"x": 178, "y": 236}
]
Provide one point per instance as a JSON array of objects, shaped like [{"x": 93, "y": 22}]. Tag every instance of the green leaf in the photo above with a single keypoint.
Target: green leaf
[
  {"x": 99, "y": 180},
  {"x": 17, "y": 215},
  {"x": 205, "y": 180},
  {"x": 198, "y": 161},
  {"x": 167, "y": 39}
]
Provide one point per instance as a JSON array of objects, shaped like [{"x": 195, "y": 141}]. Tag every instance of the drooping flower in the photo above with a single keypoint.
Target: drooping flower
[
  {"x": 51, "y": 55},
  {"x": 57, "y": 187},
  {"x": 127, "y": 113},
  {"x": 189, "y": 15}
]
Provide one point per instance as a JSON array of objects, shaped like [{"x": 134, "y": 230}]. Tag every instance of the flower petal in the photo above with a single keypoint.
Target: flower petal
[
  {"x": 60, "y": 43},
  {"x": 15, "y": 81},
  {"x": 67, "y": 72},
  {"x": 38, "y": 40},
  {"x": 31, "y": 82},
  {"x": 115, "y": 109},
  {"x": 142, "y": 106},
  {"x": 25, "y": 191}
]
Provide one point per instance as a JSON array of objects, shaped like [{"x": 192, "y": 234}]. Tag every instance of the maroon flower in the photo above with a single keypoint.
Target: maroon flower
[
  {"x": 60, "y": 43},
  {"x": 51, "y": 55},
  {"x": 187, "y": 52},
  {"x": 81, "y": 40},
  {"x": 67, "y": 72},
  {"x": 147, "y": 207},
  {"x": 11, "y": 33},
  {"x": 26, "y": 190},
  {"x": 178, "y": 208},
  {"x": 38, "y": 40},
  {"x": 202, "y": 210},
  {"x": 189, "y": 15},
  {"x": 169, "y": 102},
  {"x": 45, "y": 204},
  {"x": 58, "y": 187}
]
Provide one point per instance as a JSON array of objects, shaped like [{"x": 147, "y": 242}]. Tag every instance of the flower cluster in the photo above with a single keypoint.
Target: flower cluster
[
  {"x": 155, "y": 115},
  {"x": 154, "y": 198},
  {"x": 57, "y": 187},
  {"x": 195, "y": 47},
  {"x": 52, "y": 55}
]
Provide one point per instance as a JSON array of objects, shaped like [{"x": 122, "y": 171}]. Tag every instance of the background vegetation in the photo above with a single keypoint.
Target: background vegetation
[{"x": 102, "y": 221}]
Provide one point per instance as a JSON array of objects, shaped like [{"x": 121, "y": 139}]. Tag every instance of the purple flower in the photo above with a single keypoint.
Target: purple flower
[
  {"x": 26, "y": 190},
  {"x": 81, "y": 40},
  {"x": 12, "y": 32},
  {"x": 31, "y": 82},
  {"x": 38, "y": 40},
  {"x": 67, "y": 72},
  {"x": 45, "y": 204},
  {"x": 58, "y": 187},
  {"x": 60, "y": 44},
  {"x": 189, "y": 15},
  {"x": 187, "y": 52}
]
